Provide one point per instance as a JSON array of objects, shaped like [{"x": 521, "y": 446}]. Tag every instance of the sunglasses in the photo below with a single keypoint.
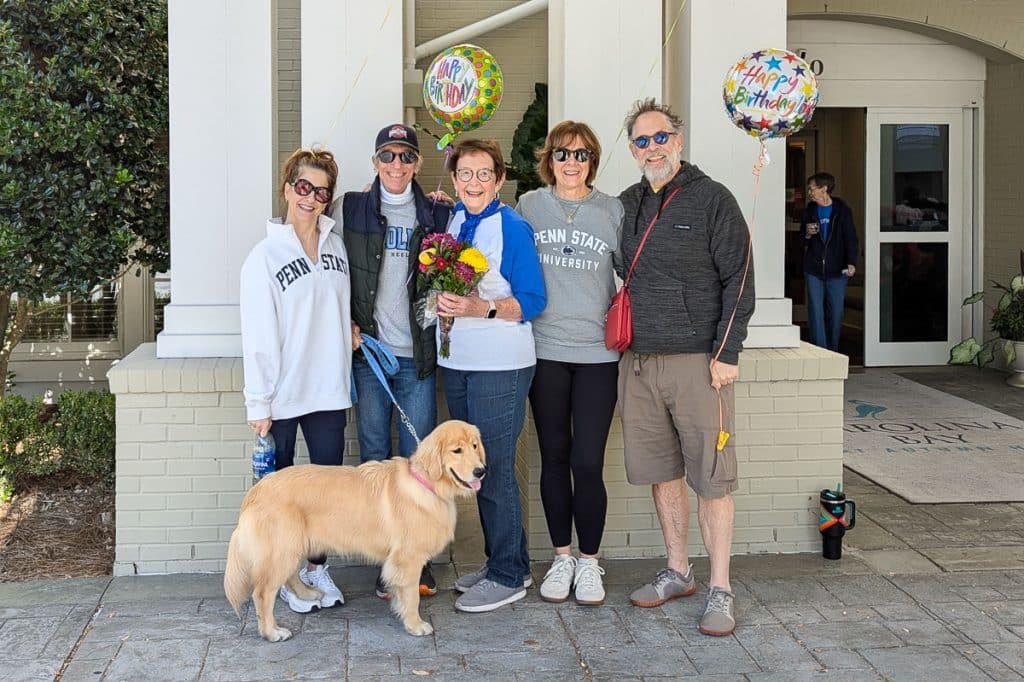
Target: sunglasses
[
  {"x": 303, "y": 187},
  {"x": 660, "y": 137},
  {"x": 483, "y": 175},
  {"x": 562, "y": 155},
  {"x": 405, "y": 157}
]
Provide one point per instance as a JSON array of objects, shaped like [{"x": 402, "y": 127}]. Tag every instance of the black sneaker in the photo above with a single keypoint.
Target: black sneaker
[
  {"x": 428, "y": 586},
  {"x": 381, "y": 589}
]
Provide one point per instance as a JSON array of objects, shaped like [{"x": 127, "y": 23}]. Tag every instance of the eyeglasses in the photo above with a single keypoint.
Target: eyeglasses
[
  {"x": 303, "y": 187},
  {"x": 405, "y": 157},
  {"x": 483, "y": 174},
  {"x": 562, "y": 155},
  {"x": 660, "y": 137}
]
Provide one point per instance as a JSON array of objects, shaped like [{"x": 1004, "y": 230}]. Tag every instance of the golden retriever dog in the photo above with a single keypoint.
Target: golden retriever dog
[{"x": 398, "y": 513}]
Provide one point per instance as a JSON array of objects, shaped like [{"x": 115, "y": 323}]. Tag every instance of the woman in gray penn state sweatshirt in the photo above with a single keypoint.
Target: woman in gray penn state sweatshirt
[{"x": 573, "y": 395}]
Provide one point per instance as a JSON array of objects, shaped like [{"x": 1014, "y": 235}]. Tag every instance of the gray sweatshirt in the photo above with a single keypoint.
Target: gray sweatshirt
[
  {"x": 687, "y": 279},
  {"x": 578, "y": 244}
]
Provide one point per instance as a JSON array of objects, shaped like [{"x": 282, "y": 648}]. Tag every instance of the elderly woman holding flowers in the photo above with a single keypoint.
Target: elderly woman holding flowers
[{"x": 491, "y": 360}]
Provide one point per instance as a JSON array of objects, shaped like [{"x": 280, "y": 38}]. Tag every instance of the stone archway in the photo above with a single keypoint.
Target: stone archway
[{"x": 995, "y": 31}]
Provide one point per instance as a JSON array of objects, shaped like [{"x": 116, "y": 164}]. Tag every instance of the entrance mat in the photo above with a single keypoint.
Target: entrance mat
[{"x": 928, "y": 446}]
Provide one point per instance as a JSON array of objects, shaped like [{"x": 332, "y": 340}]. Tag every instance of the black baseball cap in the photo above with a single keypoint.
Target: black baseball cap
[{"x": 398, "y": 134}]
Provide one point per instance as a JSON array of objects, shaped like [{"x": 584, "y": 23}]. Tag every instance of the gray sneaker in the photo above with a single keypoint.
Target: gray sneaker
[
  {"x": 718, "y": 620},
  {"x": 488, "y": 595},
  {"x": 465, "y": 582},
  {"x": 668, "y": 584}
]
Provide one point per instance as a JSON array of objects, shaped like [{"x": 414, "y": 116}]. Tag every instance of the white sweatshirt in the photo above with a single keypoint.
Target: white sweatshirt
[{"x": 296, "y": 325}]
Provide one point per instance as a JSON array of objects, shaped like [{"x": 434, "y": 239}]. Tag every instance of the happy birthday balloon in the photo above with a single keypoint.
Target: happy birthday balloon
[
  {"x": 462, "y": 89},
  {"x": 770, "y": 93}
]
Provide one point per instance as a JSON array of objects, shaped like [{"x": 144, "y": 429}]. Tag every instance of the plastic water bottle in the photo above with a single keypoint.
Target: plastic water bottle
[{"x": 263, "y": 459}]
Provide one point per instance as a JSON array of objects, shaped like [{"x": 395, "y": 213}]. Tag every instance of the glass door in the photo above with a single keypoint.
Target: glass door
[{"x": 916, "y": 186}]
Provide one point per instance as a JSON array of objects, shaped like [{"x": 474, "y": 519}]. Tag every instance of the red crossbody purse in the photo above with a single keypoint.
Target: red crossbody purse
[{"x": 618, "y": 328}]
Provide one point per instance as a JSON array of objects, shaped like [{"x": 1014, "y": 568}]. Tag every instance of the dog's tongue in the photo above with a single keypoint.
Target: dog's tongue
[{"x": 475, "y": 484}]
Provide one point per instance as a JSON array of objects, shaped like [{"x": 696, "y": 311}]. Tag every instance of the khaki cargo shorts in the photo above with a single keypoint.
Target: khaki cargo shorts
[{"x": 670, "y": 422}]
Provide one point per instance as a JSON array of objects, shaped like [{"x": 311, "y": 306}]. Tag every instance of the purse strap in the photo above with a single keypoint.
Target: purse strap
[{"x": 647, "y": 232}]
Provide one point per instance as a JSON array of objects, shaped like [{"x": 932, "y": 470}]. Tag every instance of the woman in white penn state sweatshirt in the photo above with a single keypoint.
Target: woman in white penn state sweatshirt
[{"x": 297, "y": 334}]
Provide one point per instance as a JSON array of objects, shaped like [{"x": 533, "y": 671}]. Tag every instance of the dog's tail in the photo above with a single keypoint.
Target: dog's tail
[{"x": 237, "y": 581}]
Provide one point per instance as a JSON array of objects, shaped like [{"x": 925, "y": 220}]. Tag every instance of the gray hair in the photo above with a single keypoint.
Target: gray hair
[{"x": 649, "y": 105}]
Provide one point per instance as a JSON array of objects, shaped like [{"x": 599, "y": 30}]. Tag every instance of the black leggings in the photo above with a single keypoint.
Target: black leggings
[
  {"x": 572, "y": 407},
  {"x": 325, "y": 439}
]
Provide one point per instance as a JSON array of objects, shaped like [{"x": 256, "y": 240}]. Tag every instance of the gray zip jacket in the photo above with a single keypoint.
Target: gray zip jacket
[{"x": 687, "y": 280}]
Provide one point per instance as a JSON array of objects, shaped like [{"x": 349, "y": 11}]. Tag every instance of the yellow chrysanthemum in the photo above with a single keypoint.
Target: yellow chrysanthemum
[
  {"x": 474, "y": 258},
  {"x": 428, "y": 256}
]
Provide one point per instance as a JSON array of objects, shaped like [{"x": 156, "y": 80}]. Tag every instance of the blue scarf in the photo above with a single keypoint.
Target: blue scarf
[{"x": 471, "y": 222}]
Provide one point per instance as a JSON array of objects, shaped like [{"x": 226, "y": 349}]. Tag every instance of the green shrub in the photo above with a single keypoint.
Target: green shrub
[{"x": 76, "y": 438}]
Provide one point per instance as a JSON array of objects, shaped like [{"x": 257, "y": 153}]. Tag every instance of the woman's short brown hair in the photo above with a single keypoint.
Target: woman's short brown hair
[
  {"x": 317, "y": 159},
  {"x": 562, "y": 135},
  {"x": 489, "y": 147}
]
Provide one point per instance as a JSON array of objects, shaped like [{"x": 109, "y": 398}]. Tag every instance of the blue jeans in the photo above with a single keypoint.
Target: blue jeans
[
  {"x": 825, "y": 301},
  {"x": 496, "y": 403},
  {"x": 418, "y": 397}
]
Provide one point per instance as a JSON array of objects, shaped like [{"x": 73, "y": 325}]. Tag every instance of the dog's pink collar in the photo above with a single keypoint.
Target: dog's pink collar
[{"x": 419, "y": 477}]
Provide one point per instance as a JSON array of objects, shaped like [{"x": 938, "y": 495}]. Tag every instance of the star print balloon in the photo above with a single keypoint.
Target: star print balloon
[
  {"x": 770, "y": 93},
  {"x": 462, "y": 89}
]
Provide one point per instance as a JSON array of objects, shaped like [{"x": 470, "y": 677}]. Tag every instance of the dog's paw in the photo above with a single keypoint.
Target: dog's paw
[
  {"x": 419, "y": 629},
  {"x": 278, "y": 635}
]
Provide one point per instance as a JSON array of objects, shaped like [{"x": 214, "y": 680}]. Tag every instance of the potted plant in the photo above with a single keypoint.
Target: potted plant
[{"x": 1007, "y": 323}]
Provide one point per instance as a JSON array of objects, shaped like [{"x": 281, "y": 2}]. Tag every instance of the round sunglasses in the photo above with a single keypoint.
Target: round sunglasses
[
  {"x": 562, "y": 154},
  {"x": 303, "y": 187},
  {"x": 407, "y": 158},
  {"x": 660, "y": 137}
]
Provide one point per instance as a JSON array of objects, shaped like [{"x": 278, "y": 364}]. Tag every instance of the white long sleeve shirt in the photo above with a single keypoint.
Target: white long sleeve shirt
[{"x": 296, "y": 325}]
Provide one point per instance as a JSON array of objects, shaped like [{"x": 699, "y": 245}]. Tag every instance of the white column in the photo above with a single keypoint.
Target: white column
[
  {"x": 604, "y": 55},
  {"x": 710, "y": 37},
  {"x": 351, "y": 80},
  {"x": 222, "y": 166}
]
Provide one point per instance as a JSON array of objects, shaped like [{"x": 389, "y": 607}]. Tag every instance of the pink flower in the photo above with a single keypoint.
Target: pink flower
[{"x": 464, "y": 272}]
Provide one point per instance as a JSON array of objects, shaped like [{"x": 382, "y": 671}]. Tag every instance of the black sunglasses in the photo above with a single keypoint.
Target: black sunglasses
[
  {"x": 405, "y": 157},
  {"x": 303, "y": 187},
  {"x": 561, "y": 154},
  {"x": 661, "y": 137}
]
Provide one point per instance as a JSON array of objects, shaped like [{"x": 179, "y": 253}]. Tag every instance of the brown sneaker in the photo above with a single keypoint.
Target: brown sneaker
[
  {"x": 718, "y": 620},
  {"x": 668, "y": 584}
]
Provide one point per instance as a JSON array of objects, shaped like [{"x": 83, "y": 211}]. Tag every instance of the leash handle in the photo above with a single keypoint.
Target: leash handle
[{"x": 384, "y": 364}]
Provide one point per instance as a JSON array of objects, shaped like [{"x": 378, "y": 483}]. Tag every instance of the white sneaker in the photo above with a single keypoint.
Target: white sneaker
[
  {"x": 558, "y": 579},
  {"x": 297, "y": 604},
  {"x": 589, "y": 586},
  {"x": 321, "y": 580}
]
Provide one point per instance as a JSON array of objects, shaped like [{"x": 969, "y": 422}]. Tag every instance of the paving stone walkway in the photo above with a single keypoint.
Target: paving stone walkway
[
  {"x": 923, "y": 592},
  {"x": 800, "y": 618}
]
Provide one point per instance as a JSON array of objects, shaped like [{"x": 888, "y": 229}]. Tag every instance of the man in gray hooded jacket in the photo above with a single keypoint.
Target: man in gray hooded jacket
[{"x": 676, "y": 393}]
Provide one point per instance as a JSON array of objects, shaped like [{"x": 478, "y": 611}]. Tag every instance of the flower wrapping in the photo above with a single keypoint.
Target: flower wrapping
[{"x": 446, "y": 264}]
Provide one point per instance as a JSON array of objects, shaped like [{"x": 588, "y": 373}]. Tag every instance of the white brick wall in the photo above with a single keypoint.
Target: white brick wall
[{"x": 183, "y": 461}]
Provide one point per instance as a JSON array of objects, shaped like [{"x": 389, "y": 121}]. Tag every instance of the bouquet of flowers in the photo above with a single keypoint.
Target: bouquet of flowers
[{"x": 446, "y": 264}]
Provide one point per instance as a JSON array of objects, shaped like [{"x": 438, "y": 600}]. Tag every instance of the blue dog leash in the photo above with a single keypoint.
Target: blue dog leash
[{"x": 384, "y": 364}]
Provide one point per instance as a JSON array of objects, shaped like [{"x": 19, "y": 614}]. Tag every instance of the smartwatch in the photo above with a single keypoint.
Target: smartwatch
[{"x": 492, "y": 310}]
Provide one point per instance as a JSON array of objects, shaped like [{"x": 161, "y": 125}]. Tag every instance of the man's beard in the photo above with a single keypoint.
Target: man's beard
[{"x": 668, "y": 168}]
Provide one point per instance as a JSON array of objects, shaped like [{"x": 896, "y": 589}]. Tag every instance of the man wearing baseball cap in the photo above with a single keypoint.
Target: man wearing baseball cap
[{"x": 383, "y": 228}]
